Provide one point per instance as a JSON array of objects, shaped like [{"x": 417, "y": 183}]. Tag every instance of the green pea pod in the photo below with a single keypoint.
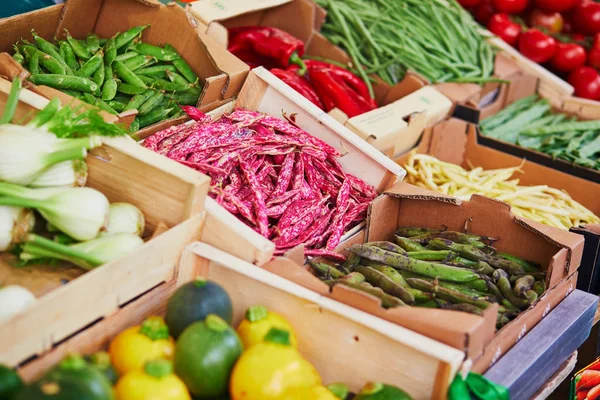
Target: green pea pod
[
  {"x": 176, "y": 78},
  {"x": 98, "y": 75},
  {"x": 167, "y": 86},
  {"x": 123, "y": 38},
  {"x": 34, "y": 63},
  {"x": 69, "y": 56},
  {"x": 109, "y": 90},
  {"x": 105, "y": 107},
  {"x": 51, "y": 64},
  {"x": 93, "y": 42},
  {"x": 139, "y": 99},
  {"x": 61, "y": 50},
  {"x": 447, "y": 294},
  {"x": 504, "y": 286},
  {"x": 161, "y": 54},
  {"x": 65, "y": 82},
  {"x": 148, "y": 80},
  {"x": 45, "y": 45},
  {"x": 108, "y": 73},
  {"x": 19, "y": 58},
  {"x": 127, "y": 75},
  {"x": 539, "y": 287},
  {"x": 91, "y": 65},
  {"x": 187, "y": 98},
  {"x": 79, "y": 50},
  {"x": 139, "y": 61},
  {"x": 110, "y": 51},
  {"x": 127, "y": 56},
  {"x": 126, "y": 88},
  {"x": 151, "y": 103},
  {"x": 408, "y": 244},
  {"x": 385, "y": 283},
  {"x": 116, "y": 105},
  {"x": 154, "y": 117},
  {"x": 157, "y": 71}
]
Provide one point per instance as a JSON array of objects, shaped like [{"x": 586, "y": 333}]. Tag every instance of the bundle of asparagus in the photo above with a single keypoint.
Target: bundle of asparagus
[{"x": 437, "y": 268}]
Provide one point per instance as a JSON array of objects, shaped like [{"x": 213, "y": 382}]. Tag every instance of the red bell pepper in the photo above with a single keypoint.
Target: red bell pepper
[
  {"x": 298, "y": 83},
  {"x": 338, "y": 87},
  {"x": 267, "y": 46}
]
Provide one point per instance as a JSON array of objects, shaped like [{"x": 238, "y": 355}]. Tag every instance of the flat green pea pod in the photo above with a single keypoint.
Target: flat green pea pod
[
  {"x": 443, "y": 272},
  {"x": 389, "y": 246},
  {"x": 527, "y": 266},
  {"x": 159, "y": 53},
  {"x": 385, "y": 283},
  {"x": 410, "y": 231},
  {"x": 126, "y": 56},
  {"x": 124, "y": 38},
  {"x": 156, "y": 71},
  {"x": 351, "y": 261},
  {"x": 447, "y": 294},
  {"x": 395, "y": 276},
  {"x": 126, "y": 88},
  {"x": 64, "y": 82},
  {"x": 34, "y": 63},
  {"x": 91, "y": 65},
  {"x": 46, "y": 46},
  {"x": 183, "y": 67},
  {"x": 109, "y": 90},
  {"x": 110, "y": 51},
  {"x": 79, "y": 50},
  {"x": 431, "y": 255},
  {"x": 176, "y": 78},
  {"x": 127, "y": 75},
  {"x": 148, "y": 80},
  {"x": 136, "y": 101},
  {"x": 154, "y": 117},
  {"x": 139, "y": 61},
  {"x": 167, "y": 86},
  {"x": 327, "y": 271},
  {"x": 408, "y": 244},
  {"x": 464, "y": 307},
  {"x": 98, "y": 75},
  {"x": 69, "y": 56},
  {"x": 93, "y": 42},
  {"x": 504, "y": 286},
  {"x": 387, "y": 301}
]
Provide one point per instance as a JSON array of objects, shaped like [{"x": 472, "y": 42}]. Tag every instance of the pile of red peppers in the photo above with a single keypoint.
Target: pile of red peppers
[{"x": 326, "y": 85}]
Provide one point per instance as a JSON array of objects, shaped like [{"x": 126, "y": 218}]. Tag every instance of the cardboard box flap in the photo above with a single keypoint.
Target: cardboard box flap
[
  {"x": 359, "y": 159},
  {"x": 408, "y": 191},
  {"x": 44, "y": 21},
  {"x": 208, "y": 11}
]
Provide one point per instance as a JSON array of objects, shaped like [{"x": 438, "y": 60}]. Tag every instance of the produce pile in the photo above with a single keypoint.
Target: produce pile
[
  {"x": 540, "y": 203},
  {"x": 326, "y": 85},
  {"x": 436, "y": 38},
  {"x": 43, "y": 169},
  {"x": 439, "y": 269},
  {"x": 194, "y": 353},
  {"x": 530, "y": 123},
  {"x": 587, "y": 383},
  {"x": 561, "y": 35},
  {"x": 282, "y": 182},
  {"x": 116, "y": 74}
]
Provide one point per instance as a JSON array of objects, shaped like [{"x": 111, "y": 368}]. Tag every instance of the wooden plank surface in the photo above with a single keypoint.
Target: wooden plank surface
[{"x": 540, "y": 354}]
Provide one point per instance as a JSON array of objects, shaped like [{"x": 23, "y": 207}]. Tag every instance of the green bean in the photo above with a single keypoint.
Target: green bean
[
  {"x": 34, "y": 63},
  {"x": 64, "y": 82},
  {"x": 124, "y": 38},
  {"x": 382, "y": 281},
  {"x": 154, "y": 117},
  {"x": 91, "y": 65},
  {"x": 12, "y": 102},
  {"x": 109, "y": 90},
  {"x": 161, "y": 54},
  {"x": 79, "y": 50},
  {"x": 151, "y": 103},
  {"x": 110, "y": 51},
  {"x": 157, "y": 71},
  {"x": 433, "y": 270},
  {"x": 93, "y": 42},
  {"x": 139, "y": 61},
  {"x": 127, "y": 75},
  {"x": 136, "y": 101}
]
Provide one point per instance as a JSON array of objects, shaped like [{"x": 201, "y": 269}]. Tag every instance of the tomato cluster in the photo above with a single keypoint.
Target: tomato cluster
[{"x": 562, "y": 35}]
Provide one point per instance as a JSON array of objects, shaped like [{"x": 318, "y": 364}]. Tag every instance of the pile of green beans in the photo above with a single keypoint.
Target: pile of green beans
[
  {"x": 436, "y": 268},
  {"x": 116, "y": 74},
  {"x": 436, "y": 38}
]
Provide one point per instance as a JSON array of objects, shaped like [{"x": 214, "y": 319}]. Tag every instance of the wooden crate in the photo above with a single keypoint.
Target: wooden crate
[
  {"x": 171, "y": 198},
  {"x": 344, "y": 344}
]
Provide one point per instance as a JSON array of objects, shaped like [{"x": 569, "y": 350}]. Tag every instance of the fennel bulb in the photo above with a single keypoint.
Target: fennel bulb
[
  {"x": 125, "y": 218},
  {"x": 79, "y": 212},
  {"x": 15, "y": 224},
  {"x": 87, "y": 255},
  {"x": 25, "y": 152},
  {"x": 66, "y": 173},
  {"x": 14, "y": 300}
]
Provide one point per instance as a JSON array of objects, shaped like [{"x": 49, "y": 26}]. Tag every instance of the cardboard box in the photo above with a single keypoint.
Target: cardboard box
[
  {"x": 265, "y": 93},
  {"x": 589, "y": 272},
  {"x": 579, "y": 108},
  {"x": 169, "y": 24},
  {"x": 169, "y": 195},
  {"x": 344, "y": 345},
  {"x": 559, "y": 252}
]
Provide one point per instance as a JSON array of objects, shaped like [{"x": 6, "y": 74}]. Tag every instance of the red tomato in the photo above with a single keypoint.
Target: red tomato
[
  {"x": 510, "y": 6},
  {"x": 465, "y": 3},
  {"x": 501, "y": 25},
  {"x": 556, "y": 5},
  {"x": 586, "y": 82},
  {"x": 586, "y": 18},
  {"x": 537, "y": 46},
  {"x": 568, "y": 57},
  {"x": 484, "y": 11},
  {"x": 550, "y": 21},
  {"x": 593, "y": 57}
]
